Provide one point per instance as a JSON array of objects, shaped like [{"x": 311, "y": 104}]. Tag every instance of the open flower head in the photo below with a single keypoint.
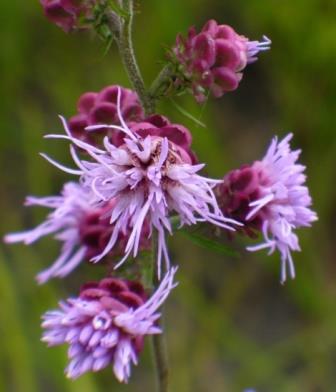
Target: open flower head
[
  {"x": 271, "y": 196},
  {"x": 106, "y": 324},
  {"x": 83, "y": 229},
  {"x": 150, "y": 179}
]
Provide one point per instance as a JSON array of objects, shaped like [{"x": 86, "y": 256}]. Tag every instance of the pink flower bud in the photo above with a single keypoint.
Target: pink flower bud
[
  {"x": 214, "y": 58},
  {"x": 66, "y": 14}
]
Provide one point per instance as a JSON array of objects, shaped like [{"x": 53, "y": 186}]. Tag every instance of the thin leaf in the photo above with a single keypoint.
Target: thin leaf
[
  {"x": 211, "y": 244},
  {"x": 187, "y": 114}
]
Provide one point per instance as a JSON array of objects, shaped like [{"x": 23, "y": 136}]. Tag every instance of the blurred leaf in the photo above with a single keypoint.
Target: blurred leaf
[{"x": 208, "y": 243}]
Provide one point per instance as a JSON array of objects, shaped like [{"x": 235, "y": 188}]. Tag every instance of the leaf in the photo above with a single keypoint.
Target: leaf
[
  {"x": 188, "y": 115},
  {"x": 208, "y": 243}
]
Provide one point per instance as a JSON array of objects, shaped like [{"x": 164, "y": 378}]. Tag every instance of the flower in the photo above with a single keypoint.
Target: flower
[
  {"x": 214, "y": 59},
  {"x": 149, "y": 178},
  {"x": 157, "y": 125},
  {"x": 66, "y": 14},
  {"x": 270, "y": 196},
  {"x": 101, "y": 108},
  {"x": 106, "y": 324},
  {"x": 83, "y": 228}
]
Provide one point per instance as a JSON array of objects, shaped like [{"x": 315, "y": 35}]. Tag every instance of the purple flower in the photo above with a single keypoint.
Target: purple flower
[
  {"x": 106, "y": 324},
  {"x": 213, "y": 59},
  {"x": 101, "y": 108},
  {"x": 66, "y": 14},
  {"x": 157, "y": 125},
  {"x": 83, "y": 229},
  {"x": 270, "y": 196},
  {"x": 149, "y": 179}
]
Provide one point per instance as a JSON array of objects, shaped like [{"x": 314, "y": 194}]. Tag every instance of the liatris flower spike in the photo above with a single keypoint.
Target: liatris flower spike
[
  {"x": 106, "y": 324},
  {"x": 149, "y": 178},
  {"x": 83, "y": 229},
  {"x": 213, "y": 59},
  {"x": 270, "y": 196}
]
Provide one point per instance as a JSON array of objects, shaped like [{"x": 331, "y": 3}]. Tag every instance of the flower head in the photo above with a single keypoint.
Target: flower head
[
  {"x": 106, "y": 324},
  {"x": 150, "y": 178},
  {"x": 83, "y": 229},
  {"x": 270, "y": 196},
  {"x": 66, "y": 14},
  {"x": 213, "y": 59},
  {"x": 160, "y": 126}
]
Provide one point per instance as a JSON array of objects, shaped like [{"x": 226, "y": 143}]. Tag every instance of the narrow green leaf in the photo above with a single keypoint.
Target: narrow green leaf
[
  {"x": 188, "y": 115},
  {"x": 208, "y": 243}
]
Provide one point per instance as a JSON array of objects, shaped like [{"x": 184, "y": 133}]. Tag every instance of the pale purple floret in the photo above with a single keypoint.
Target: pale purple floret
[
  {"x": 63, "y": 222},
  {"x": 283, "y": 202},
  {"x": 149, "y": 180},
  {"x": 106, "y": 325}
]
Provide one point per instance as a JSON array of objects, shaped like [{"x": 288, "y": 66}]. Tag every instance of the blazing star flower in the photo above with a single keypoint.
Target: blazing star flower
[
  {"x": 101, "y": 108},
  {"x": 213, "y": 59},
  {"x": 106, "y": 324},
  {"x": 66, "y": 14},
  {"x": 270, "y": 196},
  {"x": 157, "y": 125},
  {"x": 83, "y": 229},
  {"x": 149, "y": 179}
]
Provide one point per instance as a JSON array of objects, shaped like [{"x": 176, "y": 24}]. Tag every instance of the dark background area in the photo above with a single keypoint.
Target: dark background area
[{"x": 230, "y": 324}]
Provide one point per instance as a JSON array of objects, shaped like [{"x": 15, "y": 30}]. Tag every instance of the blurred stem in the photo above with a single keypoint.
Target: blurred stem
[
  {"x": 127, "y": 54},
  {"x": 158, "y": 340}
]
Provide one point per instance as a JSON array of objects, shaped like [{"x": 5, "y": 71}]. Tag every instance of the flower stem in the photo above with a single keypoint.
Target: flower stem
[
  {"x": 128, "y": 57},
  {"x": 158, "y": 340},
  {"x": 148, "y": 101}
]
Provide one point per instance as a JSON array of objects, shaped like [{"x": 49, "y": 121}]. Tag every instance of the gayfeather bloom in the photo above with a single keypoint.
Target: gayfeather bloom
[
  {"x": 270, "y": 196},
  {"x": 83, "y": 229},
  {"x": 106, "y": 324},
  {"x": 149, "y": 178},
  {"x": 213, "y": 59}
]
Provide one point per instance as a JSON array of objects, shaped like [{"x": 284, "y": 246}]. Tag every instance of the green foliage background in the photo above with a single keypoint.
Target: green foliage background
[{"x": 230, "y": 324}]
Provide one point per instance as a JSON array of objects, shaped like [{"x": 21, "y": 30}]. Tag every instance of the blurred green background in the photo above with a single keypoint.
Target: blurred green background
[{"x": 230, "y": 324}]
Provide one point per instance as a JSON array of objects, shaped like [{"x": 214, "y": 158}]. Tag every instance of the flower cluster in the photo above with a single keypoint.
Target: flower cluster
[
  {"x": 270, "y": 196},
  {"x": 106, "y": 324},
  {"x": 137, "y": 174},
  {"x": 213, "y": 59},
  {"x": 67, "y": 14}
]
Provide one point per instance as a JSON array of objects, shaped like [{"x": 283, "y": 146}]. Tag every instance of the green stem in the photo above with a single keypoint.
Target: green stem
[
  {"x": 162, "y": 83},
  {"x": 158, "y": 340},
  {"x": 128, "y": 57},
  {"x": 125, "y": 44}
]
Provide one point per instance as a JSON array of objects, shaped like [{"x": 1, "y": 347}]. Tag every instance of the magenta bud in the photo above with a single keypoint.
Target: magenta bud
[
  {"x": 204, "y": 49},
  {"x": 104, "y": 113},
  {"x": 202, "y": 58},
  {"x": 86, "y": 102}
]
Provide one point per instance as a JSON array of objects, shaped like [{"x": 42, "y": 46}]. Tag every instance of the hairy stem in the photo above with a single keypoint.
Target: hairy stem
[
  {"x": 125, "y": 44},
  {"x": 126, "y": 50},
  {"x": 158, "y": 341}
]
